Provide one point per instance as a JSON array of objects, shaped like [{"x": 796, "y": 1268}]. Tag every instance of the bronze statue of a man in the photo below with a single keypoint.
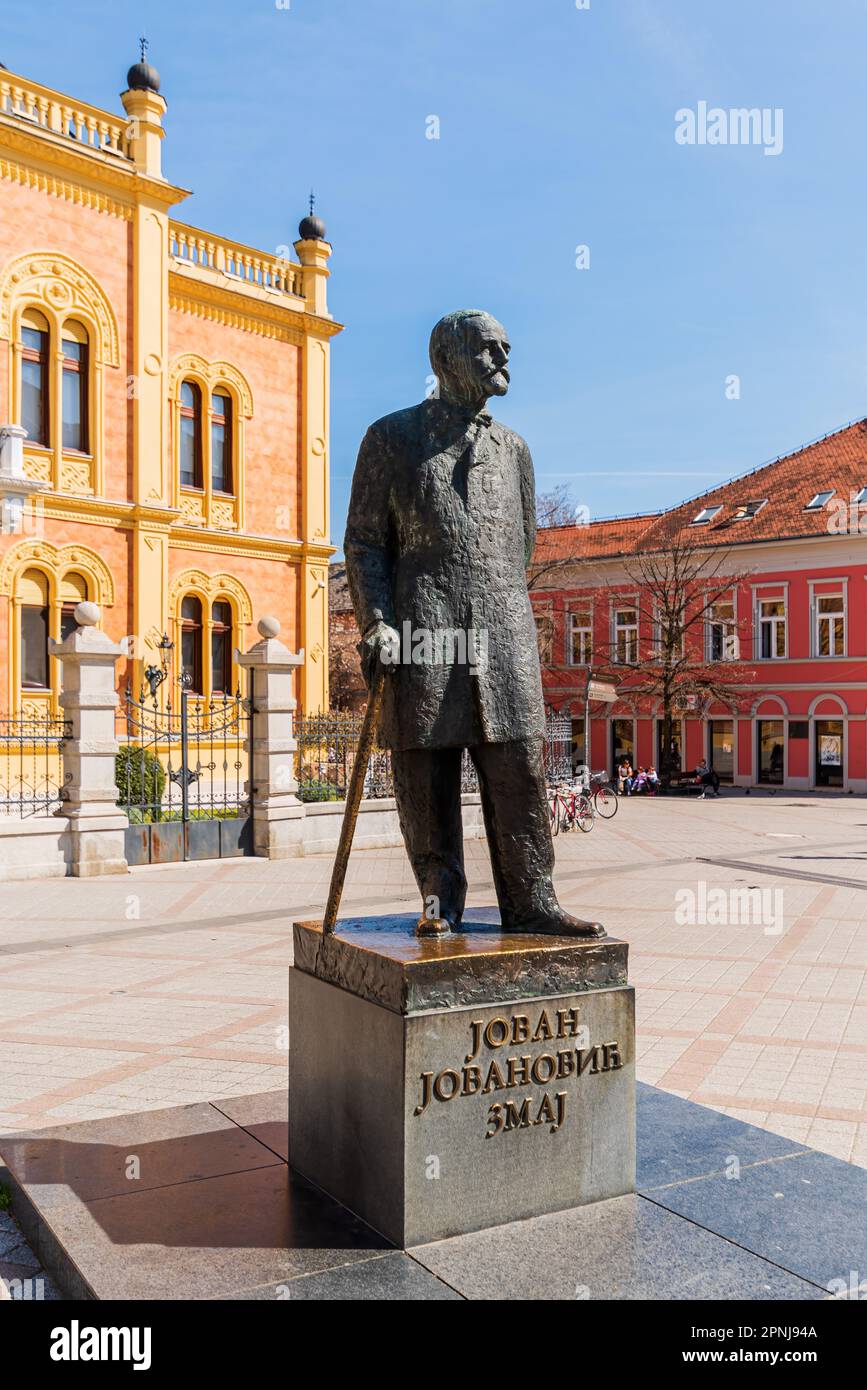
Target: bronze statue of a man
[{"x": 441, "y": 526}]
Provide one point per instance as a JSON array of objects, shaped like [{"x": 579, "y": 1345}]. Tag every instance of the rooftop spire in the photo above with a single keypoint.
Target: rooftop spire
[
  {"x": 142, "y": 76},
  {"x": 311, "y": 227}
]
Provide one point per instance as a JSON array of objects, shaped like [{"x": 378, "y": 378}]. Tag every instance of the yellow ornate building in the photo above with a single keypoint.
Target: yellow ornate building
[{"x": 174, "y": 390}]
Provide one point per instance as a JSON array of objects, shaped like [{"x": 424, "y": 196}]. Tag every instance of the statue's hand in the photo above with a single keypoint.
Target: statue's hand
[{"x": 379, "y": 643}]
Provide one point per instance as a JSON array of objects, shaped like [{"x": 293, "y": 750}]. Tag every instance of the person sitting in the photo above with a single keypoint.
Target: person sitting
[
  {"x": 708, "y": 779},
  {"x": 639, "y": 781},
  {"x": 625, "y": 777},
  {"x": 652, "y": 780}
]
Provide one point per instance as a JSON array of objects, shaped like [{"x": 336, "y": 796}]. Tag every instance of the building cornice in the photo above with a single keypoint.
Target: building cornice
[
  {"x": 245, "y": 308},
  {"x": 218, "y": 543},
  {"x": 89, "y": 171},
  {"x": 101, "y": 511}
]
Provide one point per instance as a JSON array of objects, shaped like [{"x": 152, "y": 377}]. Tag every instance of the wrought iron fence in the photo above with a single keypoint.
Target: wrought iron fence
[
  {"x": 327, "y": 745},
  {"x": 32, "y": 779},
  {"x": 185, "y": 762}
]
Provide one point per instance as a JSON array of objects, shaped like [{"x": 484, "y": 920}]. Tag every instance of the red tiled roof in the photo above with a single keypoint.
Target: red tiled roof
[
  {"x": 616, "y": 536},
  {"x": 838, "y": 462}
]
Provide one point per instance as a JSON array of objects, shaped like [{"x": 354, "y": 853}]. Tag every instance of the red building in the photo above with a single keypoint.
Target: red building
[{"x": 789, "y": 637}]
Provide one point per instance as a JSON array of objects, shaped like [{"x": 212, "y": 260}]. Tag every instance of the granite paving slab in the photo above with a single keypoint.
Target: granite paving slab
[
  {"x": 626, "y": 1248},
  {"x": 386, "y": 1278},
  {"x": 122, "y": 1154},
  {"x": 264, "y": 1115},
  {"x": 807, "y": 1213},
  {"x": 678, "y": 1139},
  {"x": 787, "y": 1226},
  {"x": 205, "y": 1238}
]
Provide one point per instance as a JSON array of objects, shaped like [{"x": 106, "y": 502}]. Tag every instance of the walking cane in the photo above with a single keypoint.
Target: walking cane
[{"x": 353, "y": 797}]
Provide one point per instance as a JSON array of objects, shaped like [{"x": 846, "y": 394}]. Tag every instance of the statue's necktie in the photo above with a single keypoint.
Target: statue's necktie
[{"x": 476, "y": 437}]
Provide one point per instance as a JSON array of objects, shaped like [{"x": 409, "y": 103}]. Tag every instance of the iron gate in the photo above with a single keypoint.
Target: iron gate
[{"x": 183, "y": 776}]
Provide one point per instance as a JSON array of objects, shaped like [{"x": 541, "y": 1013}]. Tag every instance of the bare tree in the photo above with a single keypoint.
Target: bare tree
[
  {"x": 675, "y": 589},
  {"x": 554, "y": 508}
]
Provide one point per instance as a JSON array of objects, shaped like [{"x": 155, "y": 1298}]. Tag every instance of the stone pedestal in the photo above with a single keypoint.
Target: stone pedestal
[
  {"x": 278, "y": 815},
  {"x": 96, "y": 824},
  {"x": 442, "y": 1086}
]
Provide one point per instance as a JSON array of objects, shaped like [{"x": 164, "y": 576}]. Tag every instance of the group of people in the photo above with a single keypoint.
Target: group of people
[
  {"x": 646, "y": 779},
  {"x": 630, "y": 782}
]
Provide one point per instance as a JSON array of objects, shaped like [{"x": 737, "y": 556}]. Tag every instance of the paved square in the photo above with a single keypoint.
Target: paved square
[{"x": 168, "y": 986}]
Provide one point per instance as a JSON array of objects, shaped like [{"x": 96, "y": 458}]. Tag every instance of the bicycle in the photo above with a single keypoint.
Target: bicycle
[
  {"x": 604, "y": 794},
  {"x": 569, "y": 808}
]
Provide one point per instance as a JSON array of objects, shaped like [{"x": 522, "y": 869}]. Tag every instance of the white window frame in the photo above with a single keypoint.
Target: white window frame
[
  {"x": 617, "y": 628},
  {"x": 580, "y": 626},
  {"x": 773, "y": 621},
  {"x": 829, "y": 618},
  {"x": 743, "y": 513},
  {"x": 730, "y": 642},
  {"x": 819, "y": 499}
]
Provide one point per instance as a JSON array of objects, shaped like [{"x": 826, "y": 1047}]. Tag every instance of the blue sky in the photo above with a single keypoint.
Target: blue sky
[{"x": 556, "y": 130}]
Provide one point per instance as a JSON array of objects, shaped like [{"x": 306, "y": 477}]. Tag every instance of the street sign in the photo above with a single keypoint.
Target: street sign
[{"x": 602, "y": 690}]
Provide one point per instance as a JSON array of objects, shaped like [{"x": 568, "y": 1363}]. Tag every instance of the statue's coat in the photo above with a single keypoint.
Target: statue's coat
[{"x": 441, "y": 527}]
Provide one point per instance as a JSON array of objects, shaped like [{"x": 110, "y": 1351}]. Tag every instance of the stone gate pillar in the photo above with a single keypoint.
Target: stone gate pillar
[
  {"x": 278, "y": 815},
  {"x": 89, "y": 701}
]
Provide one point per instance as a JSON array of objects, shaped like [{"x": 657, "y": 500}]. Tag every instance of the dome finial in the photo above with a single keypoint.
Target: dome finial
[
  {"x": 143, "y": 76},
  {"x": 311, "y": 227}
]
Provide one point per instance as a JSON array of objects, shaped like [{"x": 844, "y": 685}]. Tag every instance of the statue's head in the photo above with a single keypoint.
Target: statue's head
[{"x": 469, "y": 351}]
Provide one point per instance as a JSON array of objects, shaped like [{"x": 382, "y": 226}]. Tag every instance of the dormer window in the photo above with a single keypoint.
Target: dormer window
[
  {"x": 705, "y": 515},
  {"x": 749, "y": 510},
  {"x": 819, "y": 500},
  {"x": 860, "y": 495}
]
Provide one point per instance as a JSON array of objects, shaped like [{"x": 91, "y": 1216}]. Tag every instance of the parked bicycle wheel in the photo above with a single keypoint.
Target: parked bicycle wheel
[
  {"x": 605, "y": 800},
  {"x": 554, "y": 809},
  {"x": 585, "y": 813}
]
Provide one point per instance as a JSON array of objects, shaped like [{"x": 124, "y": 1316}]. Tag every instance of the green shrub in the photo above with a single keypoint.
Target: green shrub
[
  {"x": 320, "y": 791},
  {"x": 141, "y": 780}
]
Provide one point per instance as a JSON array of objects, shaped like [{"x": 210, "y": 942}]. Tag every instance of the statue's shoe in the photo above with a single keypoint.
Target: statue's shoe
[
  {"x": 433, "y": 926},
  {"x": 558, "y": 923}
]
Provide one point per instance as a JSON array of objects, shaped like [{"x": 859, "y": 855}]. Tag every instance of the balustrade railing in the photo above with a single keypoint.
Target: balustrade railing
[
  {"x": 39, "y": 106},
  {"x": 197, "y": 248}
]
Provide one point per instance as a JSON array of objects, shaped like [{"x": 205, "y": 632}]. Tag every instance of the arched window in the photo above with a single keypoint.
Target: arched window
[
  {"x": 221, "y": 648},
  {"x": 35, "y": 392},
  {"x": 75, "y": 387},
  {"x": 221, "y": 441},
  {"x": 73, "y": 590},
  {"x": 191, "y": 642},
  {"x": 33, "y": 592},
  {"x": 191, "y": 435}
]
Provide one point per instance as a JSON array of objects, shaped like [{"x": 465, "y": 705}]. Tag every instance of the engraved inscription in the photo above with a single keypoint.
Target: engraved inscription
[{"x": 507, "y": 1071}]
